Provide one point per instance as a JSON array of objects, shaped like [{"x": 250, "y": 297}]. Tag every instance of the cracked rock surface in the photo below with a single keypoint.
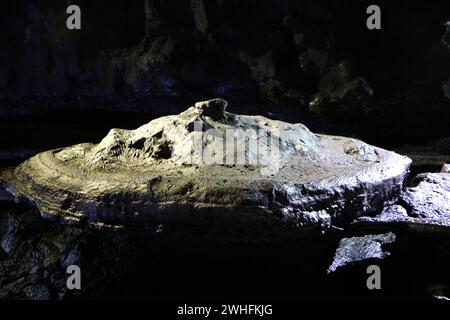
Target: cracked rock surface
[{"x": 423, "y": 208}]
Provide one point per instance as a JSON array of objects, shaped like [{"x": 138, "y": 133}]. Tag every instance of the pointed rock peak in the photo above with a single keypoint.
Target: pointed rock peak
[{"x": 215, "y": 108}]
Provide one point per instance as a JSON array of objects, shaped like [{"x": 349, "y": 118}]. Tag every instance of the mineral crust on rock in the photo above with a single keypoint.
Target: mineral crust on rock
[{"x": 155, "y": 176}]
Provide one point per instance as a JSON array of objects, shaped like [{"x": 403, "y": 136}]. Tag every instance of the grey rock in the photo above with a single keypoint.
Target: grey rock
[
  {"x": 390, "y": 214},
  {"x": 155, "y": 176},
  {"x": 215, "y": 108},
  {"x": 423, "y": 208},
  {"x": 441, "y": 298},
  {"x": 124, "y": 264},
  {"x": 430, "y": 198},
  {"x": 38, "y": 253},
  {"x": 356, "y": 249},
  {"x": 445, "y": 168},
  {"x": 362, "y": 150}
]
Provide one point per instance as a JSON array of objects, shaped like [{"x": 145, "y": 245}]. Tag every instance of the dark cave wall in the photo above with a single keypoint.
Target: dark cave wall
[{"x": 299, "y": 57}]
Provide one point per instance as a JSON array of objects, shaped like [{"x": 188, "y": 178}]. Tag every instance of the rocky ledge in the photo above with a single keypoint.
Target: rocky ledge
[
  {"x": 423, "y": 208},
  {"x": 409, "y": 238},
  {"x": 199, "y": 221},
  {"x": 187, "y": 170}
]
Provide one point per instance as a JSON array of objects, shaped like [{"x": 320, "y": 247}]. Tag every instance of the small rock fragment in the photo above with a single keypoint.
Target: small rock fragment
[
  {"x": 361, "y": 248},
  {"x": 423, "y": 208}
]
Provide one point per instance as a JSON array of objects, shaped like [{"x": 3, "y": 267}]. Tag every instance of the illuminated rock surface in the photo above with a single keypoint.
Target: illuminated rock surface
[
  {"x": 361, "y": 248},
  {"x": 423, "y": 208},
  {"x": 150, "y": 176},
  {"x": 446, "y": 168}
]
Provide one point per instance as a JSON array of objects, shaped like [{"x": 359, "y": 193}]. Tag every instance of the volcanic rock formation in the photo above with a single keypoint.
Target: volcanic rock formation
[{"x": 293, "y": 182}]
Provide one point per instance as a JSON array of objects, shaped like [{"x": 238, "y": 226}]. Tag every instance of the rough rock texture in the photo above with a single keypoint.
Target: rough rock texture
[
  {"x": 154, "y": 175},
  {"x": 445, "y": 168},
  {"x": 33, "y": 256},
  {"x": 125, "y": 263},
  {"x": 426, "y": 161},
  {"x": 356, "y": 249},
  {"x": 430, "y": 197},
  {"x": 423, "y": 208},
  {"x": 130, "y": 264}
]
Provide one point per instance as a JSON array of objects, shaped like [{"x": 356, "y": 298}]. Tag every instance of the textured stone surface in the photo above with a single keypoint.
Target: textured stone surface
[
  {"x": 430, "y": 198},
  {"x": 131, "y": 264},
  {"x": 35, "y": 254},
  {"x": 423, "y": 208},
  {"x": 131, "y": 57},
  {"x": 356, "y": 249},
  {"x": 144, "y": 176}
]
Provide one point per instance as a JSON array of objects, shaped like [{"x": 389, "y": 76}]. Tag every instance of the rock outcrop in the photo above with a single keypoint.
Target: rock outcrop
[
  {"x": 168, "y": 173},
  {"x": 424, "y": 208}
]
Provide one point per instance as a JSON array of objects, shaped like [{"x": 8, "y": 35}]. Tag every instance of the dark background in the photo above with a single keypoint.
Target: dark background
[{"x": 298, "y": 60}]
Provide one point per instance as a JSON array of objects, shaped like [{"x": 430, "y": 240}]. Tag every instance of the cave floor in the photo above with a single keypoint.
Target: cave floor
[{"x": 34, "y": 252}]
